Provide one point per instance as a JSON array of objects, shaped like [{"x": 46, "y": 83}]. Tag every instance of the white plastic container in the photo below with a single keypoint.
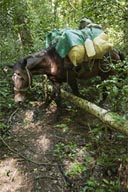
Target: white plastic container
[{"x": 90, "y": 48}]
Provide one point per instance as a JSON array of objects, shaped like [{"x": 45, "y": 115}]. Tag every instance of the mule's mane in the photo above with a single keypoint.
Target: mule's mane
[
  {"x": 37, "y": 54},
  {"x": 50, "y": 51},
  {"x": 34, "y": 59}
]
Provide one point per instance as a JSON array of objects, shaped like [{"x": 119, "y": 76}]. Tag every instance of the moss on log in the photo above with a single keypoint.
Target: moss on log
[{"x": 112, "y": 119}]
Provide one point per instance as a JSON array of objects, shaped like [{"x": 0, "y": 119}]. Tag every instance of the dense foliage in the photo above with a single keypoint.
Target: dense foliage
[{"x": 24, "y": 26}]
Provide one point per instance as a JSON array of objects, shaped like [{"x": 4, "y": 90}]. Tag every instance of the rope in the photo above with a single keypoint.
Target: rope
[{"x": 29, "y": 76}]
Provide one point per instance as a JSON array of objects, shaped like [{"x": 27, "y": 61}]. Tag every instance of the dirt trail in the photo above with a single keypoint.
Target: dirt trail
[
  {"x": 39, "y": 153},
  {"x": 33, "y": 167}
]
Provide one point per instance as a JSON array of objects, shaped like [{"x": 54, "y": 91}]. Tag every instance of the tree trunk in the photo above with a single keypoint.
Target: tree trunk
[
  {"x": 112, "y": 119},
  {"x": 125, "y": 29},
  {"x": 21, "y": 22}
]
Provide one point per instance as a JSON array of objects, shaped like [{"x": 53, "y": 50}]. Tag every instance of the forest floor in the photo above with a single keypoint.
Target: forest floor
[{"x": 71, "y": 155}]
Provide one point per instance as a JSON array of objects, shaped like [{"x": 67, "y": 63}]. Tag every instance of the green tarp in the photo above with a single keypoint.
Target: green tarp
[{"x": 66, "y": 38}]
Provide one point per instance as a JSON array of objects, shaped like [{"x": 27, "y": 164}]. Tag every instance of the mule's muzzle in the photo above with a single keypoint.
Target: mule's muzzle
[{"x": 19, "y": 98}]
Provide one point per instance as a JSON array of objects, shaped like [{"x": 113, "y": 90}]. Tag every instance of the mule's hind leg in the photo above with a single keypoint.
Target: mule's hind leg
[
  {"x": 72, "y": 81},
  {"x": 57, "y": 99},
  {"x": 104, "y": 76}
]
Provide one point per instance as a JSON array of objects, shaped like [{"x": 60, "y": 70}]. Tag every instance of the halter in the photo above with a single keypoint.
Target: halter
[{"x": 29, "y": 81}]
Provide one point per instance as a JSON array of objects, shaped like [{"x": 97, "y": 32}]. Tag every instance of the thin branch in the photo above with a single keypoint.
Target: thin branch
[
  {"x": 11, "y": 116},
  {"x": 22, "y": 156},
  {"x": 72, "y": 5}
]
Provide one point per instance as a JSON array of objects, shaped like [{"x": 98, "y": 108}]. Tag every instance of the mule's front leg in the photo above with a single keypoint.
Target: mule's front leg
[
  {"x": 56, "y": 96},
  {"x": 57, "y": 99},
  {"x": 52, "y": 95}
]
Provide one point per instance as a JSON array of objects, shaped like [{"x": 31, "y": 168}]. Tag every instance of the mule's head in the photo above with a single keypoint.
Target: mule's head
[{"x": 21, "y": 79}]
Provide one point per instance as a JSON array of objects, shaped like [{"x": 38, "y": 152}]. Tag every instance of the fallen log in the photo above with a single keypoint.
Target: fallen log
[{"x": 113, "y": 120}]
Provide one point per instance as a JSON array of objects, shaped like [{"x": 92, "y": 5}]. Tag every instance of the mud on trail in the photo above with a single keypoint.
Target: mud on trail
[{"x": 42, "y": 156}]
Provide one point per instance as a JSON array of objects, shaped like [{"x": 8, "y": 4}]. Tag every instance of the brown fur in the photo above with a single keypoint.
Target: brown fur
[{"x": 58, "y": 71}]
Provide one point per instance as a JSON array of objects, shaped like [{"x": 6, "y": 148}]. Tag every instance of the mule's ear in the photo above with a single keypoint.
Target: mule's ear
[
  {"x": 23, "y": 63},
  {"x": 9, "y": 65}
]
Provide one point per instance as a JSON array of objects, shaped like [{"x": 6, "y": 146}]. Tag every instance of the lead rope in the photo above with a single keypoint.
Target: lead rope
[
  {"x": 29, "y": 76},
  {"x": 45, "y": 86}
]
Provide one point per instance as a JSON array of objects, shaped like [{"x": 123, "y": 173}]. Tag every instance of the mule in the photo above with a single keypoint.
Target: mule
[{"x": 58, "y": 70}]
